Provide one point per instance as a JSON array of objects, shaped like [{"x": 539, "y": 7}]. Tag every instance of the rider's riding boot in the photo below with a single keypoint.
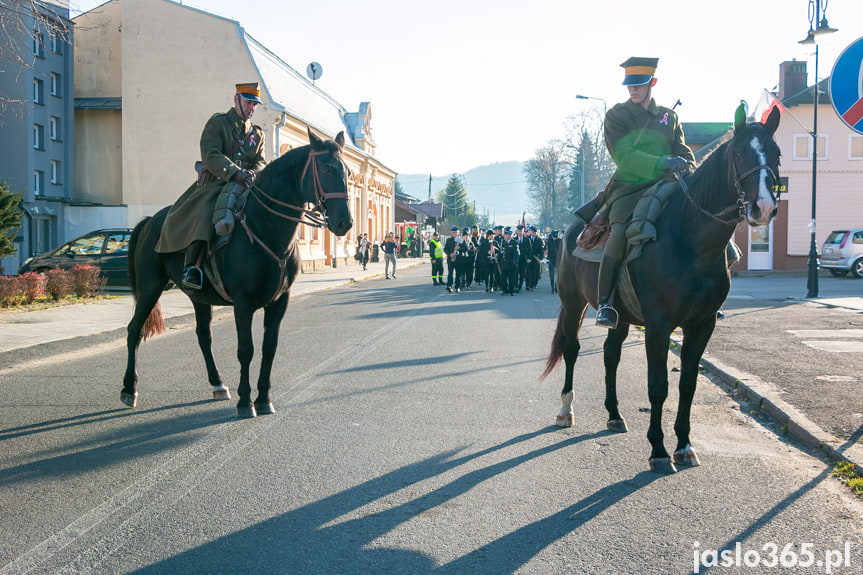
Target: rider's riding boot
[
  {"x": 193, "y": 277},
  {"x": 225, "y": 225},
  {"x": 606, "y": 315}
]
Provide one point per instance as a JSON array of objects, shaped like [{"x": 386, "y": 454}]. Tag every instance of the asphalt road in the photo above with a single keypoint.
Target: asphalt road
[{"x": 411, "y": 436}]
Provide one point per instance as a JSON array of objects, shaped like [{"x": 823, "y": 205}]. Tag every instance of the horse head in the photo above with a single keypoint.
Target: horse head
[
  {"x": 754, "y": 165},
  {"x": 325, "y": 182}
]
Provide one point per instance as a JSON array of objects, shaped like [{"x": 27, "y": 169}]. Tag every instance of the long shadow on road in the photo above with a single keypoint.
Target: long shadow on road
[{"x": 335, "y": 535}]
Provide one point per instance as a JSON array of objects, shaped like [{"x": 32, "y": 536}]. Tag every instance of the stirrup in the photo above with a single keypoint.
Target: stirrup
[
  {"x": 606, "y": 316},
  {"x": 192, "y": 280}
]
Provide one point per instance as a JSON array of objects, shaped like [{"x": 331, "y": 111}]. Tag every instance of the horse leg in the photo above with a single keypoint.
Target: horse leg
[
  {"x": 245, "y": 350},
  {"x": 611, "y": 357},
  {"x": 273, "y": 315},
  {"x": 695, "y": 340},
  {"x": 657, "y": 340},
  {"x": 144, "y": 304},
  {"x": 203, "y": 319},
  {"x": 570, "y": 323}
]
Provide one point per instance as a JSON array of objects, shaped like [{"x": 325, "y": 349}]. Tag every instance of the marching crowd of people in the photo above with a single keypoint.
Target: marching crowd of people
[{"x": 497, "y": 259}]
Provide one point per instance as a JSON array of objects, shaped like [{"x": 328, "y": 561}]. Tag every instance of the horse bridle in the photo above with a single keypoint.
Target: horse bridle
[
  {"x": 316, "y": 217},
  {"x": 740, "y": 205}
]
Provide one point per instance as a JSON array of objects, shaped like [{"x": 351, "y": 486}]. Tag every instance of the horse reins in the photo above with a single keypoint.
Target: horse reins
[
  {"x": 316, "y": 217},
  {"x": 740, "y": 204}
]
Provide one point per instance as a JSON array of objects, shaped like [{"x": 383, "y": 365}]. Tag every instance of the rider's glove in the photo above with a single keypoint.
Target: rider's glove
[{"x": 674, "y": 164}]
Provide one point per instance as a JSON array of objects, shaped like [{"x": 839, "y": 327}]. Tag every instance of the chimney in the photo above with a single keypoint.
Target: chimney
[{"x": 792, "y": 78}]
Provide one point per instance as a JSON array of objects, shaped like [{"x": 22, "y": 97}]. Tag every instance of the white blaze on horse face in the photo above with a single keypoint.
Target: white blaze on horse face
[{"x": 766, "y": 202}]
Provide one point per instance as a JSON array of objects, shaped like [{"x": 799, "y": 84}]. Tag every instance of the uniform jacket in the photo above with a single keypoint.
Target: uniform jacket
[
  {"x": 552, "y": 245},
  {"x": 449, "y": 247},
  {"x": 637, "y": 140},
  {"x": 190, "y": 218},
  {"x": 509, "y": 253},
  {"x": 536, "y": 247}
]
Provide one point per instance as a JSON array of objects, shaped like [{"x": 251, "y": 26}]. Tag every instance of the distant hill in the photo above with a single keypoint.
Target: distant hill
[{"x": 498, "y": 189}]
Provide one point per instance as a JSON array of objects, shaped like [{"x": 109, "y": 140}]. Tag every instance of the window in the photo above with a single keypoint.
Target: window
[
  {"x": 56, "y": 42},
  {"x": 38, "y": 136},
  {"x": 38, "y": 91},
  {"x": 855, "y": 147},
  {"x": 117, "y": 243},
  {"x": 44, "y": 237},
  {"x": 38, "y": 182},
  {"x": 38, "y": 45},
  {"x": 803, "y": 147},
  {"x": 87, "y": 246},
  {"x": 54, "y": 129},
  {"x": 55, "y": 172},
  {"x": 55, "y": 84}
]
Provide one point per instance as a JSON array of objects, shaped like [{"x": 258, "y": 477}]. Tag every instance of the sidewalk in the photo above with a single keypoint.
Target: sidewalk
[
  {"x": 799, "y": 360},
  {"x": 27, "y": 329}
]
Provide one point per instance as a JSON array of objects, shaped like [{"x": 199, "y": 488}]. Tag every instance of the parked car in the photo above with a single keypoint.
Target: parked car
[
  {"x": 105, "y": 249},
  {"x": 842, "y": 252}
]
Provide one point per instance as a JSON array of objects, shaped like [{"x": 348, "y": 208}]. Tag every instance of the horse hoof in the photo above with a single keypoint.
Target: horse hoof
[
  {"x": 565, "y": 420},
  {"x": 221, "y": 393},
  {"x": 130, "y": 399},
  {"x": 662, "y": 465},
  {"x": 247, "y": 412},
  {"x": 265, "y": 408},
  {"x": 686, "y": 457},
  {"x": 617, "y": 425}
]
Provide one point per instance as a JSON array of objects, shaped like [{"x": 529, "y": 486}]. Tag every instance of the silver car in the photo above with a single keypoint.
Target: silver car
[{"x": 842, "y": 252}]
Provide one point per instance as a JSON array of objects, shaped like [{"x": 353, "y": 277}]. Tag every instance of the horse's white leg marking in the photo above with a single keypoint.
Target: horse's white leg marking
[{"x": 565, "y": 417}]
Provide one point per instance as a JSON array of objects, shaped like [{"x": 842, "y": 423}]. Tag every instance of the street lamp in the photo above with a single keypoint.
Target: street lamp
[
  {"x": 602, "y": 125},
  {"x": 816, "y": 9}
]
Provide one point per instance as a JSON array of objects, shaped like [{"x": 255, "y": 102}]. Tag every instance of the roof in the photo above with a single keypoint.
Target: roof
[
  {"x": 700, "y": 133},
  {"x": 98, "y": 103},
  {"x": 429, "y": 210},
  {"x": 290, "y": 92},
  {"x": 806, "y": 96}
]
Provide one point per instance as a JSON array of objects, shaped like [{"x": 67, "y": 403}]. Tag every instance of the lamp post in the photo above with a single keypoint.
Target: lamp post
[
  {"x": 602, "y": 152},
  {"x": 818, "y": 26}
]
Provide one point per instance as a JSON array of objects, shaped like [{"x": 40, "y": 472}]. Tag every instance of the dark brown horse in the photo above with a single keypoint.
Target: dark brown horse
[
  {"x": 681, "y": 280},
  {"x": 258, "y": 266}
]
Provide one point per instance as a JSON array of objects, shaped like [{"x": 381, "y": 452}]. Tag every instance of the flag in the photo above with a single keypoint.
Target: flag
[{"x": 774, "y": 104}]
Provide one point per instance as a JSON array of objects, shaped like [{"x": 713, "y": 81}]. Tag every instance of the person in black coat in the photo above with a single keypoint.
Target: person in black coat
[
  {"x": 449, "y": 248},
  {"x": 486, "y": 257},
  {"x": 509, "y": 257},
  {"x": 552, "y": 246},
  {"x": 535, "y": 249}
]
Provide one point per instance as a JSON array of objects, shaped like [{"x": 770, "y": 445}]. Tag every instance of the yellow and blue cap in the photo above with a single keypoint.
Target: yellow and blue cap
[{"x": 639, "y": 71}]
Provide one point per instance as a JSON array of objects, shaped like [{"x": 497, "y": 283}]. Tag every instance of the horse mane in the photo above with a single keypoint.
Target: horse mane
[{"x": 284, "y": 163}]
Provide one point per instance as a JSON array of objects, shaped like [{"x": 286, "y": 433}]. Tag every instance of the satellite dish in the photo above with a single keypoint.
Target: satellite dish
[{"x": 314, "y": 71}]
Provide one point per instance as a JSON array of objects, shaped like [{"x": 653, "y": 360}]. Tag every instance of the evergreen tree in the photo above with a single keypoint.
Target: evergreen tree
[
  {"x": 458, "y": 210},
  {"x": 10, "y": 219}
]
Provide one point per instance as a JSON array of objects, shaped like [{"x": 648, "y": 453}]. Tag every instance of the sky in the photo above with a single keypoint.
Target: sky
[{"x": 457, "y": 84}]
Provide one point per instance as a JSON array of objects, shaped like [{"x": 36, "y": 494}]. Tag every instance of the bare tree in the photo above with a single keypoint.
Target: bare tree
[
  {"x": 546, "y": 175},
  {"x": 25, "y": 28}
]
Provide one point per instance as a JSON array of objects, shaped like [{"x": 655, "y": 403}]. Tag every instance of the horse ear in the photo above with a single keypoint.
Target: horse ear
[
  {"x": 772, "y": 121},
  {"x": 340, "y": 139},
  {"x": 739, "y": 118},
  {"x": 313, "y": 139}
]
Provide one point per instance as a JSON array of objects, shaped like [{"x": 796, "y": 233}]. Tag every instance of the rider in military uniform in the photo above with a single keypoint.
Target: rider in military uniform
[
  {"x": 645, "y": 141},
  {"x": 232, "y": 150}
]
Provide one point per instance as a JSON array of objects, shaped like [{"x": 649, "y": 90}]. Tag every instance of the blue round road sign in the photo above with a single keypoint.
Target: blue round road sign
[{"x": 846, "y": 86}]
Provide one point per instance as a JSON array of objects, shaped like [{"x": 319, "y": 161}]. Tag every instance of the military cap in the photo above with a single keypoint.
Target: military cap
[
  {"x": 639, "y": 71},
  {"x": 498, "y": 227},
  {"x": 249, "y": 91},
  {"x": 465, "y": 231},
  {"x": 489, "y": 233},
  {"x": 507, "y": 231},
  {"x": 454, "y": 229},
  {"x": 531, "y": 228},
  {"x": 434, "y": 235}
]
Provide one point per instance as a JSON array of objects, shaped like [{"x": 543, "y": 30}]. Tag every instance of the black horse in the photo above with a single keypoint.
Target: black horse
[
  {"x": 681, "y": 280},
  {"x": 258, "y": 266}
]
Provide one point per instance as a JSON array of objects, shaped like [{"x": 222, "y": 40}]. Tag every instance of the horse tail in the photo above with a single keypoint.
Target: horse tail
[
  {"x": 556, "y": 348},
  {"x": 155, "y": 323}
]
